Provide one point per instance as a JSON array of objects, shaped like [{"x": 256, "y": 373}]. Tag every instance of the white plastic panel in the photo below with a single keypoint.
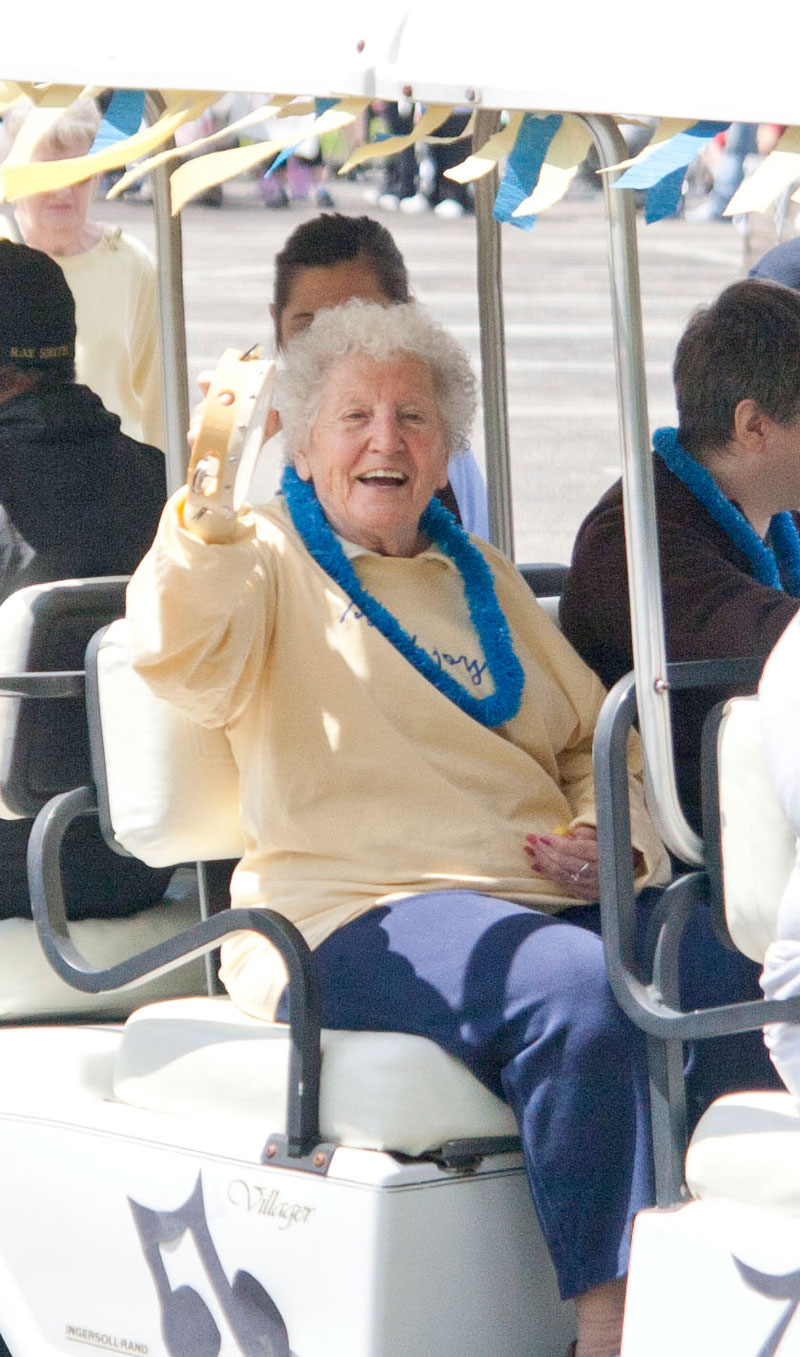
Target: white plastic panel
[
  {"x": 205, "y": 1060},
  {"x": 758, "y": 843},
  {"x": 173, "y": 786},
  {"x": 591, "y": 58}
]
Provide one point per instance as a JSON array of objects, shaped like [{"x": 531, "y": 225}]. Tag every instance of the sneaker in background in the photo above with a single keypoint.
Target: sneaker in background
[
  {"x": 449, "y": 209},
  {"x": 411, "y": 206}
]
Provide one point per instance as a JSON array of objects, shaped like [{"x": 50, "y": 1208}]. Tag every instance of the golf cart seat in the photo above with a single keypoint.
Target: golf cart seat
[
  {"x": 382, "y": 1090},
  {"x": 732, "y": 1252},
  {"x": 44, "y": 749}
]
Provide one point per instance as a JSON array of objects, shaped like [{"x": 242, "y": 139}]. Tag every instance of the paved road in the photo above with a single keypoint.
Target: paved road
[{"x": 563, "y": 416}]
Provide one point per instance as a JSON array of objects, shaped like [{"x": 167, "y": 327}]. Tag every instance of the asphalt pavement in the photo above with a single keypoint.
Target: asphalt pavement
[{"x": 562, "y": 395}]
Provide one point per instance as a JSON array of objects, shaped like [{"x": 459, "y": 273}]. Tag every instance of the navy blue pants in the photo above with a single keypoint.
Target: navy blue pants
[{"x": 522, "y": 999}]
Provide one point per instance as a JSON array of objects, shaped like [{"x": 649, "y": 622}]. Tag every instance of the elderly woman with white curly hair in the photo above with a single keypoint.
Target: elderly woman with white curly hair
[{"x": 410, "y": 731}]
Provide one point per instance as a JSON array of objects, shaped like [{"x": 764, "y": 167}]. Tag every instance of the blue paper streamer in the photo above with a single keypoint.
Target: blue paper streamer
[
  {"x": 281, "y": 159},
  {"x": 122, "y": 119},
  {"x": 670, "y": 156},
  {"x": 320, "y": 106},
  {"x": 663, "y": 198},
  {"x": 523, "y": 167}
]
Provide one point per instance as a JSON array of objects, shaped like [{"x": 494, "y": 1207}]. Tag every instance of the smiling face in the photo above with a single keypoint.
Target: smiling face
[{"x": 377, "y": 452}]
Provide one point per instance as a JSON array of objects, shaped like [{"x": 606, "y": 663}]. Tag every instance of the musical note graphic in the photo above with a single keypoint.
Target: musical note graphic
[
  {"x": 187, "y": 1324},
  {"x": 786, "y": 1287}
]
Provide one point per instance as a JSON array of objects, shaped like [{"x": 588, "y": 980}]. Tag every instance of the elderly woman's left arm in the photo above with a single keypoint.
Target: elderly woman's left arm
[
  {"x": 568, "y": 854},
  {"x": 575, "y": 765}
]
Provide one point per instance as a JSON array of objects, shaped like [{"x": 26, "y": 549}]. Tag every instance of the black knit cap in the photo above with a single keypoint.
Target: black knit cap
[{"x": 37, "y": 309}]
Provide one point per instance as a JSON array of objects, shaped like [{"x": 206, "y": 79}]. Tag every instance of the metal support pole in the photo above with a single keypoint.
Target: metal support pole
[
  {"x": 172, "y": 326},
  {"x": 644, "y": 576},
  {"x": 493, "y": 347}
]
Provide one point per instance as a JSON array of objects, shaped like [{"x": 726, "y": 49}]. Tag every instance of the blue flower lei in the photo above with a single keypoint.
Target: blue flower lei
[
  {"x": 777, "y": 565},
  {"x": 485, "y": 612}
]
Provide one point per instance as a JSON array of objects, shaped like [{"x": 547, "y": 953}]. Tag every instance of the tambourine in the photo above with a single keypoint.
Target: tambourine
[{"x": 228, "y": 442}]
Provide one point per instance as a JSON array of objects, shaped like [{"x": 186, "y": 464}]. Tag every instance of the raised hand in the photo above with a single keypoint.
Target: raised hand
[{"x": 226, "y": 443}]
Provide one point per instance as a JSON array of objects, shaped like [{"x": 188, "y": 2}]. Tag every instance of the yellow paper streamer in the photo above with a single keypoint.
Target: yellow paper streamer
[
  {"x": 448, "y": 141},
  {"x": 668, "y": 127},
  {"x": 432, "y": 118},
  {"x": 144, "y": 167},
  {"x": 19, "y": 180},
  {"x": 299, "y": 108},
  {"x": 780, "y": 168},
  {"x": 38, "y": 122},
  {"x": 484, "y": 160},
  {"x": 58, "y": 96},
  {"x": 566, "y": 152},
  {"x": 10, "y": 92},
  {"x": 195, "y": 176}
]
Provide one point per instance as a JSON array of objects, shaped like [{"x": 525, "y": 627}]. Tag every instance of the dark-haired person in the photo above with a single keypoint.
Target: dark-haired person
[
  {"x": 730, "y": 558},
  {"x": 329, "y": 260},
  {"x": 781, "y": 264},
  {"x": 727, "y": 481},
  {"x": 77, "y": 499}
]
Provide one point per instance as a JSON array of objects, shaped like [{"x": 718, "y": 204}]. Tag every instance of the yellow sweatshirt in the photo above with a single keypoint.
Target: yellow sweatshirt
[
  {"x": 118, "y": 350},
  {"x": 359, "y": 779}
]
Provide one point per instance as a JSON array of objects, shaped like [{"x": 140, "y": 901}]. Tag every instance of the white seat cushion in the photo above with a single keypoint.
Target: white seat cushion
[
  {"x": 20, "y": 622},
  {"x": 758, "y": 843},
  {"x": 746, "y": 1149},
  {"x": 549, "y": 603},
  {"x": 173, "y": 792},
  {"x": 204, "y": 1059},
  {"x": 29, "y": 988},
  {"x": 14, "y": 639}
]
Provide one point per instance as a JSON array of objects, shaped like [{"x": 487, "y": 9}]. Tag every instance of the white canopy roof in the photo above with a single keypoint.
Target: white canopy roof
[{"x": 698, "y": 60}]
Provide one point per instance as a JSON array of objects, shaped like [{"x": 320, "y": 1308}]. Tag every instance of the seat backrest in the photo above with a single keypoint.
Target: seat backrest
[
  {"x": 43, "y": 744},
  {"x": 757, "y": 842},
  {"x": 546, "y": 580},
  {"x": 167, "y": 788}
]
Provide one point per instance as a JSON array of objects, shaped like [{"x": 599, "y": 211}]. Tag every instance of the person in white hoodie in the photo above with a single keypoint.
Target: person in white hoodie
[{"x": 779, "y": 703}]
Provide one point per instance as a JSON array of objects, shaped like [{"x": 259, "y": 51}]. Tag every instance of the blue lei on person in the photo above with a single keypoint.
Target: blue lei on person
[
  {"x": 776, "y": 564},
  {"x": 486, "y": 615}
]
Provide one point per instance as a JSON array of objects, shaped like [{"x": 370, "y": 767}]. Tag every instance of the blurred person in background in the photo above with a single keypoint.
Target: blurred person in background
[
  {"x": 77, "y": 499},
  {"x": 332, "y": 259},
  {"x": 110, "y": 274}
]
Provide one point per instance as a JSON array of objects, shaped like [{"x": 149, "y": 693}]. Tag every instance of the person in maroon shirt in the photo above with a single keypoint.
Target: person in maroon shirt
[{"x": 730, "y": 555}]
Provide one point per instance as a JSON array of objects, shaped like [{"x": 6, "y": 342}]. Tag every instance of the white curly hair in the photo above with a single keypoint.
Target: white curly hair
[
  {"x": 71, "y": 134},
  {"x": 367, "y": 329}
]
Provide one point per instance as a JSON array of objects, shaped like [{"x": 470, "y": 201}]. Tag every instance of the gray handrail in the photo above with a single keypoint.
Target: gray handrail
[
  {"x": 49, "y": 915},
  {"x": 493, "y": 347},
  {"x": 641, "y": 537},
  {"x": 171, "y": 318}
]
